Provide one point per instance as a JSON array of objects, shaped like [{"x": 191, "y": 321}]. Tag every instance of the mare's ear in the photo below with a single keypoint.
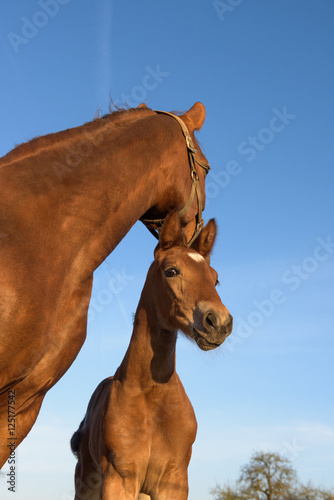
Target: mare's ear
[
  {"x": 194, "y": 118},
  {"x": 206, "y": 239},
  {"x": 171, "y": 232},
  {"x": 142, "y": 105}
]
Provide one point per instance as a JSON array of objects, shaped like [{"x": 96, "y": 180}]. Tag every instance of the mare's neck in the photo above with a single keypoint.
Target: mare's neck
[
  {"x": 85, "y": 188},
  {"x": 150, "y": 358},
  {"x": 118, "y": 186}
]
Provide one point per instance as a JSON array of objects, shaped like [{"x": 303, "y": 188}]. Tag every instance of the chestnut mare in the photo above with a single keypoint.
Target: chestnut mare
[
  {"x": 67, "y": 199},
  {"x": 139, "y": 427}
]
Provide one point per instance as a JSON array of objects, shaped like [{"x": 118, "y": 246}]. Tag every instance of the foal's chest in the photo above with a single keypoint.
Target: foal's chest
[{"x": 157, "y": 425}]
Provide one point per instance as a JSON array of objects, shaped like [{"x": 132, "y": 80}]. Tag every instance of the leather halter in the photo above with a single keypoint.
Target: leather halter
[{"x": 195, "y": 187}]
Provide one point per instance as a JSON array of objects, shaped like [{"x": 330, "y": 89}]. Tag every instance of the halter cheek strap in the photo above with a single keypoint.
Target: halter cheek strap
[{"x": 195, "y": 187}]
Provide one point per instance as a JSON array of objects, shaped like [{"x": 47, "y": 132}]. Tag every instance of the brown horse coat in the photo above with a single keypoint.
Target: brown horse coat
[
  {"x": 139, "y": 427},
  {"x": 67, "y": 200}
]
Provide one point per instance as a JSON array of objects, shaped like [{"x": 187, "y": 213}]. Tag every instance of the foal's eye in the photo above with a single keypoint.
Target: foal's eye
[
  {"x": 169, "y": 273},
  {"x": 217, "y": 282}
]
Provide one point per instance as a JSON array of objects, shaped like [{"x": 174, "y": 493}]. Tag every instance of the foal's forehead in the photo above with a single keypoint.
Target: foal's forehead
[{"x": 184, "y": 255}]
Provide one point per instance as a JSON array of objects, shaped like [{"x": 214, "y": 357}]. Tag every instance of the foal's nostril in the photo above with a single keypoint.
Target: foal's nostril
[
  {"x": 229, "y": 324},
  {"x": 210, "y": 320}
]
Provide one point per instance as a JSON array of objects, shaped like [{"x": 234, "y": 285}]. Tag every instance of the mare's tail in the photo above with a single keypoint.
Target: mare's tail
[{"x": 76, "y": 439}]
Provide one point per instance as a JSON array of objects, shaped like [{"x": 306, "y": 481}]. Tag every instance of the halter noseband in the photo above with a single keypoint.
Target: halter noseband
[{"x": 195, "y": 187}]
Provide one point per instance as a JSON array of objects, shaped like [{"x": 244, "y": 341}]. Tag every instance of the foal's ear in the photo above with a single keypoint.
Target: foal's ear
[
  {"x": 195, "y": 117},
  {"x": 142, "y": 105},
  {"x": 206, "y": 239},
  {"x": 171, "y": 232}
]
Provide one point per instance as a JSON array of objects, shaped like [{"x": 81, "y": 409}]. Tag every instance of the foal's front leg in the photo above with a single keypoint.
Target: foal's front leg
[
  {"x": 175, "y": 485},
  {"x": 174, "y": 493},
  {"x": 114, "y": 487}
]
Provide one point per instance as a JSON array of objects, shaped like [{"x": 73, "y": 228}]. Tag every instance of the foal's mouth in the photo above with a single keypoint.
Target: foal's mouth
[{"x": 203, "y": 342}]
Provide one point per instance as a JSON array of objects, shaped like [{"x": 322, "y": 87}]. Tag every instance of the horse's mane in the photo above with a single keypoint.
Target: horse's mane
[{"x": 115, "y": 116}]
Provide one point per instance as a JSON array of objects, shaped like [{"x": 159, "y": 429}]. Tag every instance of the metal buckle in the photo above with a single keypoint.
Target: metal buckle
[
  {"x": 194, "y": 175},
  {"x": 190, "y": 144}
]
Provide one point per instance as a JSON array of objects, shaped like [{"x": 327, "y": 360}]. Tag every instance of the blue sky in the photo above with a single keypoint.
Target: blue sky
[{"x": 264, "y": 71}]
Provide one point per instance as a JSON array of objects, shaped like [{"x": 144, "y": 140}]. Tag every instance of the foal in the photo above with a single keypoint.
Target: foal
[{"x": 139, "y": 427}]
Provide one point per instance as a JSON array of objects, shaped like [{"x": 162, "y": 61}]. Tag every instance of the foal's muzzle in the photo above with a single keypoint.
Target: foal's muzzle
[{"x": 214, "y": 330}]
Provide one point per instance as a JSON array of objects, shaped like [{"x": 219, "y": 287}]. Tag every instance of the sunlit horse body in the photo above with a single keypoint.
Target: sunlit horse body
[
  {"x": 67, "y": 200},
  {"x": 139, "y": 427}
]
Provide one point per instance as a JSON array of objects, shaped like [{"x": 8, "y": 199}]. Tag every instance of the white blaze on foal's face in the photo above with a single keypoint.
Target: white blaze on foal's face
[{"x": 196, "y": 256}]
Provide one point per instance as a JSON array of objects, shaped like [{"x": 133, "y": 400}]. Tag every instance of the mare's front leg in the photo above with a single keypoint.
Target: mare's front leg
[{"x": 22, "y": 423}]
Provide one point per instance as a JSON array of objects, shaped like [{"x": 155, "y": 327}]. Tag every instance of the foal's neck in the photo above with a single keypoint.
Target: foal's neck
[{"x": 150, "y": 358}]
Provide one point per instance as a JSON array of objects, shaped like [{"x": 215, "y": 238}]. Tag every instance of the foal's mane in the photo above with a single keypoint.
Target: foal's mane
[{"x": 117, "y": 117}]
